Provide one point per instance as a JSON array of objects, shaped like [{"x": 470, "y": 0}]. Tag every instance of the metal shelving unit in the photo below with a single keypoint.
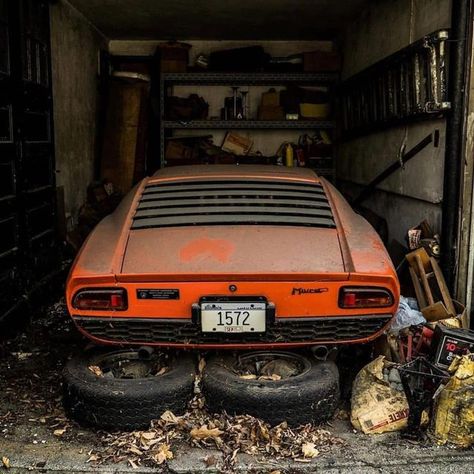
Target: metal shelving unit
[
  {"x": 249, "y": 124},
  {"x": 168, "y": 80},
  {"x": 256, "y": 78}
]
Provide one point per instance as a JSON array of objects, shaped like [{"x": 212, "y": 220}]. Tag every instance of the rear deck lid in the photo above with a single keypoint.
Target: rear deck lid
[{"x": 221, "y": 227}]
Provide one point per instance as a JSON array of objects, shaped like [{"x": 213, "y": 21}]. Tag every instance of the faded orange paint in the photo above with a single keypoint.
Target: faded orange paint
[
  {"x": 205, "y": 248},
  {"x": 266, "y": 261}
]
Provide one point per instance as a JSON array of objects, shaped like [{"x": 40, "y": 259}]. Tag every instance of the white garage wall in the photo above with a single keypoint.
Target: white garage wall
[
  {"x": 75, "y": 44},
  {"x": 415, "y": 192}
]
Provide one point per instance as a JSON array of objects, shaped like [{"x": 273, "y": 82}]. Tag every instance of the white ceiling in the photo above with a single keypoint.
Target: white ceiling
[{"x": 219, "y": 19}]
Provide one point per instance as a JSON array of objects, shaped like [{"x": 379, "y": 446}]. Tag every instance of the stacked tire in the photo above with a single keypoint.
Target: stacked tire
[
  {"x": 124, "y": 404},
  {"x": 309, "y": 397}
]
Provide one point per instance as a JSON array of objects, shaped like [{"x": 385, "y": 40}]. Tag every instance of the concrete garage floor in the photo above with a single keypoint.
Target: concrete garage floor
[{"x": 32, "y": 424}]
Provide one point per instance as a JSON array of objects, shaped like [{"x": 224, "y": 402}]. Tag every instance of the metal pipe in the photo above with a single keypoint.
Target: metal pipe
[
  {"x": 370, "y": 188},
  {"x": 460, "y": 14},
  {"x": 145, "y": 352},
  {"x": 320, "y": 352},
  {"x": 470, "y": 263}
]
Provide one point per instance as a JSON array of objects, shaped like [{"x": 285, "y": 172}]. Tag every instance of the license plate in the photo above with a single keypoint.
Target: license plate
[{"x": 233, "y": 316}]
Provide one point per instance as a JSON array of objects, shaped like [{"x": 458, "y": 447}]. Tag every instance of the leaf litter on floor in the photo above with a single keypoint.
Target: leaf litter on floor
[{"x": 228, "y": 434}]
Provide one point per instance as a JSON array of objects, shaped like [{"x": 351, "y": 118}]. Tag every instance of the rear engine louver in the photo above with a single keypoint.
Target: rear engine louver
[{"x": 232, "y": 202}]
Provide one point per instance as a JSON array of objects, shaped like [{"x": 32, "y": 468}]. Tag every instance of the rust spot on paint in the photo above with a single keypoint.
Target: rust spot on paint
[{"x": 218, "y": 249}]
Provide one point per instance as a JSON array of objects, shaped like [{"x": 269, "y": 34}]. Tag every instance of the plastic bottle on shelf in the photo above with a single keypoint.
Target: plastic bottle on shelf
[{"x": 289, "y": 158}]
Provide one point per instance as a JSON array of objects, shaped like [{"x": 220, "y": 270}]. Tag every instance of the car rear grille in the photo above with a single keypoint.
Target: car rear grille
[
  {"x": 222, "y": 202},
  {"x": 141, "y": 330}
]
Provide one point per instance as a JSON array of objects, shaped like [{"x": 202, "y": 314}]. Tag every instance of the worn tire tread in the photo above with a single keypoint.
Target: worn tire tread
[
  {"x": 311, "y": 397},
  {"x": 124, "y": 404}
]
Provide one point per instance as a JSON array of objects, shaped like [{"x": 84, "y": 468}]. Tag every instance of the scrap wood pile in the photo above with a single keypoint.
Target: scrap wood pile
[{"x": 423, "y": 380}]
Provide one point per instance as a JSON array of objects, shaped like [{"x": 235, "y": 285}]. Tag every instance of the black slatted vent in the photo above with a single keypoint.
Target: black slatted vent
[
  {"x": 141, "y": 330},
  {"x": 230, "y": 202}
]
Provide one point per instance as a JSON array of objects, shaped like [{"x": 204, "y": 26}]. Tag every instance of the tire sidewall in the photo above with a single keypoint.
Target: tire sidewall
[
  {"x": 309, "y": 397},
  {"x": 77, "y": 371},
  {"x": 219, "y": 369}
]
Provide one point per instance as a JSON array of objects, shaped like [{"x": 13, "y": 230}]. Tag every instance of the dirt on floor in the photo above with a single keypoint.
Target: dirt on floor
[
  {"x": 30, "y": 375},
  {"x": 35, "y": 433}
]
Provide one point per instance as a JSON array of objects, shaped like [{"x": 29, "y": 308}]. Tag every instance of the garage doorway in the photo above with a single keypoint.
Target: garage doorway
[{"x": 28, "y": 251}]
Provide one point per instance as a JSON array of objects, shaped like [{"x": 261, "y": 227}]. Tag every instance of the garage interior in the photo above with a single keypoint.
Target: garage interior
[
  {"x": 86, "y": 88},
  {"x": 93, "y": 43}
]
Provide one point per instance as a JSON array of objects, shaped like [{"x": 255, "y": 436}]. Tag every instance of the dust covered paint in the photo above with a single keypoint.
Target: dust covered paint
[
  {"x": 203, "y": 249},
  {"x": 234, "y": 231}
]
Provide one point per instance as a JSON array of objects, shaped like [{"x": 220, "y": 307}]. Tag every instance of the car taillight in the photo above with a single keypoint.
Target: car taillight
[
  {"x": 354, "y": 297},
  {"x": 105, "y": 299}
]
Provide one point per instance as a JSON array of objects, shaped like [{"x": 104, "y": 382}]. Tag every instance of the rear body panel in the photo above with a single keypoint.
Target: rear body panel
[
  {"x": 190, "y": 232},
  {"x": 219, "y": 252}
]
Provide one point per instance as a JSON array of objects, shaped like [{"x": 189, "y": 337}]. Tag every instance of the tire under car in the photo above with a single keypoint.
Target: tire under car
[
  {"x": 312, "y": 395},
  {"x": 129, "y": 401},
  {"x": 125, "y": 402}
]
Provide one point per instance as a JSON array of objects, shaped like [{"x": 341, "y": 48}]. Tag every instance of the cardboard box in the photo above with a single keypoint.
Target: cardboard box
[
  {"x": 314, "y": 110},
  {"x": 173, "y": 56},
  {"x": 237, "y": 144},
  {"x": 271, "y": 112},
  {"x": 270, "y": 98},
  {"x": 176, "y": 150}
]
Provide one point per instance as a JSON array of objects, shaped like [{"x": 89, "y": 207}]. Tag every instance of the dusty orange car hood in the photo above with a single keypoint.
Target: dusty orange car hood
[{"x": 252, "y": 251}]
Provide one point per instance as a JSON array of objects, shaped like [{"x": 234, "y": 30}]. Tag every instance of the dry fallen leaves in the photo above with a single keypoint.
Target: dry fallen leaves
[
  {"x": 162, "y": 371},
  {"x": 309, "y": 450},
  {"x": 148, "y": 435},
  {"x": 229, "y": 434},
  {"x": 93, "y": 458},
  {"x": 135, "y": 450},
  {"x": 163, "y": 454},
  {"x": 6, "y": 462},
  {"x": 95, "y": 369},
  {"x": 204, "y": 432},
  {"x": 22, "y": 355},
  {"x": 210, "y": 461},
  {"x": 273, "y": 377},
  {"x": 169, "y": 417},
  {"x": 59, "y": 432}
]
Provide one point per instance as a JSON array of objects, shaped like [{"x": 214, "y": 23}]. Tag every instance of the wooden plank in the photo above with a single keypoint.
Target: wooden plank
[
  {"x": 448, "y": 302},
  {"x": 421, "y": 253},
  {"x": 435, "y": 312},
  {"x": 464, "y": 319},
  {"x": 418, "y": 290},
  {"x": 424, "y": 279}
]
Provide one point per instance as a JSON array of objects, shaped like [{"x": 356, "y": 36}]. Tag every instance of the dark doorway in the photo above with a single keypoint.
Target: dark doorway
[{"x": 28, "y": 245}]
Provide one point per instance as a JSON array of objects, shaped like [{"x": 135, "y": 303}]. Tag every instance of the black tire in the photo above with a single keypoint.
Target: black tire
[
  {"x": 312, "y": 396},
  {"x": 124, "y": 404}
]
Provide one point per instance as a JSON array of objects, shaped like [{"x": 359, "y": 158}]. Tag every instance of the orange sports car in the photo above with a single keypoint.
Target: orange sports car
[{"x": 233, "y": 257}]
